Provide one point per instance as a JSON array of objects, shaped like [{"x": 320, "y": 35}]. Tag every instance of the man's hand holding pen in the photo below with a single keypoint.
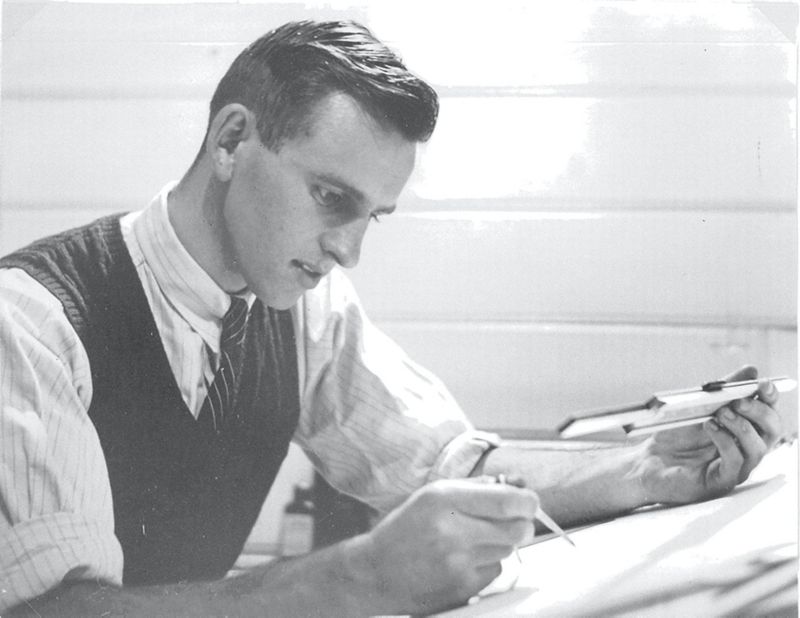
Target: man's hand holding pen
[{"x": 446, "y": 542}]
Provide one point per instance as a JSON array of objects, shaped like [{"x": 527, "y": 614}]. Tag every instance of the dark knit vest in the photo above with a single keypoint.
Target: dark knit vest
[{"x": 185, "y": 499}]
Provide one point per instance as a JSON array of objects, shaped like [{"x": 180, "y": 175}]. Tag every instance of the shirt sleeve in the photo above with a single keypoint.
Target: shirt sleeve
[
  {"x": 56, "y": 514},
  {"x": 374, "y": 423}
]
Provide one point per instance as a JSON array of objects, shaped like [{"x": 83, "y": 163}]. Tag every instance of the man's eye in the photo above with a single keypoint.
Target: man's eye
[{"x": 327, "y": 198}]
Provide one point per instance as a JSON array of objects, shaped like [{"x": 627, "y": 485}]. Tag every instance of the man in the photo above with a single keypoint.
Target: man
[{"x": 156, "y": 365}]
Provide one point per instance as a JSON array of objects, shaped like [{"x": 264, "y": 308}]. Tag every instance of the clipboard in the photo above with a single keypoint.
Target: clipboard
[{"x": 666, "y": 410}]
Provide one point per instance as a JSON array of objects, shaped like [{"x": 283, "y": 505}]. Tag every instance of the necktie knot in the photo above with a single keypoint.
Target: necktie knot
[{"x": 233, "y": 324}]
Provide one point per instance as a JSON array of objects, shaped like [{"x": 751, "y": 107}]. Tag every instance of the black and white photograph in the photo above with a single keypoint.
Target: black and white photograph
[{"x": 382, "y": 308}]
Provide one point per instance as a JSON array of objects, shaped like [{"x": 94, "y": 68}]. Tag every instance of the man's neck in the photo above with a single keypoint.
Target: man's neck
[{"x": 195, "y": 212}]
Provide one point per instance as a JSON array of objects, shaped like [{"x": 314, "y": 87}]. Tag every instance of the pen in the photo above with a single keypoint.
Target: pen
[{"x": 543, "y": 517}]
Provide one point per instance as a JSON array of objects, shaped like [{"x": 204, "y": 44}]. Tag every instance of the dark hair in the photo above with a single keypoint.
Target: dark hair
[{"x": 285, "y": 73}]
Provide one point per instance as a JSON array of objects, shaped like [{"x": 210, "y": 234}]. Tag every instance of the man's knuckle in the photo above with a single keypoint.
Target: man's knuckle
[
  {"x": 442, "y": 532},
  {"x": 520, "y": 527},
  {"x": 457, "y": 564},
  {"x": 434, "y": 491},
  {"x": 431, "y": 496},
  {"x": 516, "y": 531}
]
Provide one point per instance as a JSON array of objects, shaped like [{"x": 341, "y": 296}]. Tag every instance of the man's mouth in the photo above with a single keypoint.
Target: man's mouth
[{"x": 312, "y": 273}]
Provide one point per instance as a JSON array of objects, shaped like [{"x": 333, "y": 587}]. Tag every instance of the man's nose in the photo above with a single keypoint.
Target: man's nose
[{"x": 343, "y": 242}]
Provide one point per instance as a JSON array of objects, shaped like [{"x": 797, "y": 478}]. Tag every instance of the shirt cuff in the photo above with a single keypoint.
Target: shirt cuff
[
  {"x": 459, "y": 458},
  {"x": 38, "y": 554}
]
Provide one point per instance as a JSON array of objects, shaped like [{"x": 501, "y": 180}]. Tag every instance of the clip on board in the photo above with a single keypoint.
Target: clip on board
[{"x": 666, "y": 410}]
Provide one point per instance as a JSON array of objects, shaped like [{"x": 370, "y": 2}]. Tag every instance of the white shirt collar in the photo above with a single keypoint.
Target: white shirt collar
[{"x": 189, "y": 288}]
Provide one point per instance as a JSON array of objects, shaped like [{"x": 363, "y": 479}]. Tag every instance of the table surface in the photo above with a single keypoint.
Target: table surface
[{"x": 733, "y": 555}]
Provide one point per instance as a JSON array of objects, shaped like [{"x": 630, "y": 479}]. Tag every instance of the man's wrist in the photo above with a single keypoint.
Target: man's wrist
[
  {"x": 635, "y": 477},
  {"x": 359, "y": 575},
  {"x": 619, "y": 476},
  {"x": 610, "y": 481}
]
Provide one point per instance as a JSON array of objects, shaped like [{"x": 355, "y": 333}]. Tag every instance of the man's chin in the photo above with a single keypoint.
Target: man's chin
[
  {"x": 280, "y": 302},
  {"x": 281, "y": 306}
]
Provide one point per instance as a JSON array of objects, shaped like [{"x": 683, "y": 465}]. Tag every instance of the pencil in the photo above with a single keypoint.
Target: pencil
[{"x": 543, "y": 517}]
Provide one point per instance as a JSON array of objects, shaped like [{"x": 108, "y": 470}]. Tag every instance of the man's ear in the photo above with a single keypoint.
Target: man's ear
[{"x": 232, "y": 125}]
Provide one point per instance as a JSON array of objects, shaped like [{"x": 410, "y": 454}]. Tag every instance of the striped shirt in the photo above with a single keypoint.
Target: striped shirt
[{"x": 374, "y": 423}]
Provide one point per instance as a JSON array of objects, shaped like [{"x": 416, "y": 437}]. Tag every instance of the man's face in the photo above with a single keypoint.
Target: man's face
[{"x": 291, "y": 216}]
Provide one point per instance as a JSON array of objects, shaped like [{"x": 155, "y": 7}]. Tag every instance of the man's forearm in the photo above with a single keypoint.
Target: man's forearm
[
  {"x": 574, "y": 485},
  {"x": 335, "y": 581}
]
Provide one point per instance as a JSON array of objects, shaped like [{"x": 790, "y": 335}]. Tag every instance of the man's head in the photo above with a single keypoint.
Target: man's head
[
  {"x": 281, "y": 76},
  {"x": 312, "y": 134}
]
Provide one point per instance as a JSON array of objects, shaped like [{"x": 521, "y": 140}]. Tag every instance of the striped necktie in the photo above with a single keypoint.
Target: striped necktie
[{"x": 220, "y": 399}]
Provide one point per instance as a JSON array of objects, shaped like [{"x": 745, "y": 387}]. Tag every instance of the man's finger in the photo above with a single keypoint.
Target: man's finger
[
  {"x": 767, "y": 421},
  {"x": 480, "y": 532},
  {"x": 488, "y": 573},
  {"x": 749, "y": 443},
  {"x": 748, "y": 372},
  {"x": 767, "y": 392},
  {"x": 724, "y": 476},
  {"x": 485, "y": 500},
  {"x": 489, "y": 554}
]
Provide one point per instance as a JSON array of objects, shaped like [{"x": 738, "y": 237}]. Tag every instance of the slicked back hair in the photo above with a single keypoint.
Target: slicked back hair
[{"x": 282, "y": 76}]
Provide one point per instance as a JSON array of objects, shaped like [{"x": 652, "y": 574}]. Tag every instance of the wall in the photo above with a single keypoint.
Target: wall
[{"x": 607, "y": 208}]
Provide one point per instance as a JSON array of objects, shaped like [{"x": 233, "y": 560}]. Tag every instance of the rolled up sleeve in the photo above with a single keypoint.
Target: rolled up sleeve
[{"x": 374, "y": 423}]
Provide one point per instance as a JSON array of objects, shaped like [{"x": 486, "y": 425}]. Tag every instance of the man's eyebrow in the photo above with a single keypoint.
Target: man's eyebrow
[{"x": 352, "y": 191}]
